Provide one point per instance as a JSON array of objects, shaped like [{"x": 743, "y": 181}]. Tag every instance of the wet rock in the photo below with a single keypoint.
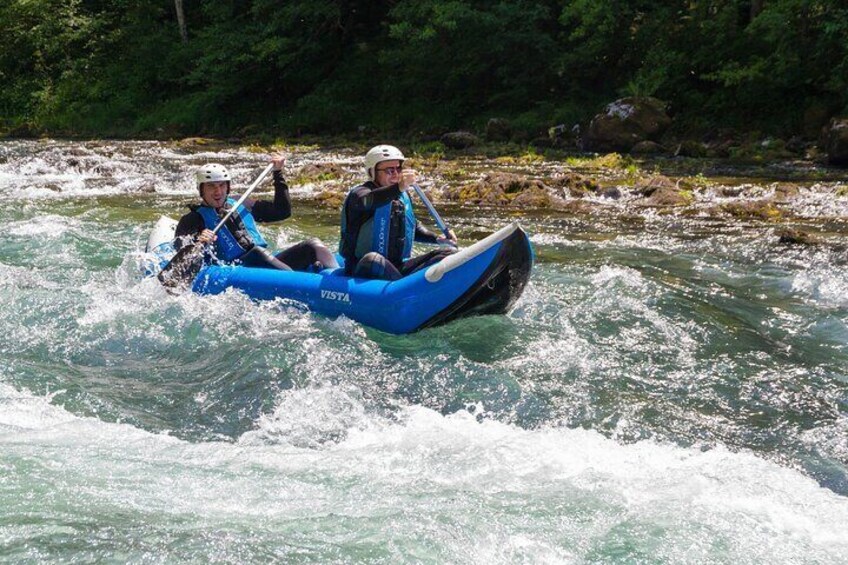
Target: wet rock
[
  {"x": 626, "y": 122},
  {"x": 836, "y": 142},
  {"x": 667, "y": 196},
  {"x": 557, "y": 132},
  {"x": 537, "y": 197},
  {"x": 498, "y": 129},
  {"x": 574, "y": 185},
  {"x": 611, "y": 192},
  {"x": 196, "y": 142},
  {"x": 785, "y": 192},
  {"x": 459, "y": 139},
  {"x": 649, "y": 186},
  {"x": 731, "y": 191},
  {"x": 319, "y": 172},
  {"x": 147, "y": 188},
  {"x": 792, "y": 236},
  {"x": 499, "y": 189},
  {"x": 661, "y": 191},
  {"x": 752, "y": 210},
  {"x": 332, "y": 197}
]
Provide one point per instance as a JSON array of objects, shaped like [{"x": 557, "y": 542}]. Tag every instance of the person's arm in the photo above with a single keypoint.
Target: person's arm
[
  {"x": 188, "y": 228},
  {"x": 280, "y": 208},
  {"x": 364, "y": 199},
  {"x": 423, "y": 235}
]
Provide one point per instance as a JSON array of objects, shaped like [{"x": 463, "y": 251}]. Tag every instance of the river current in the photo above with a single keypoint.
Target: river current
[{"x": 665, "y": 391}]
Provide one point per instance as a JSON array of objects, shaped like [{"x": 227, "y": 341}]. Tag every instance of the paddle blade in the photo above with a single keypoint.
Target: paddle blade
[{"x": 180, "y": 271}]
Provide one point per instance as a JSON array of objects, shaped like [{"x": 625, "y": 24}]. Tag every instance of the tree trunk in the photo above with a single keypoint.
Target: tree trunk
[{"x": 178, "y": 4}]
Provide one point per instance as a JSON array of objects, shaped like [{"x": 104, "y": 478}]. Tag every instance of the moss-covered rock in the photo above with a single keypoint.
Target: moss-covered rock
[
  {"x": 459, "y": 139},
  {"x": 753, "y": 210},
  {"x": 647, "y": 187},
  {"x": 197, "y": 142},
  {"x": 332, "y": 197},
  {"x": 314, "y": 172},
  {"x": 504, "y": 189},
  {"x": 574, "y": 185}
]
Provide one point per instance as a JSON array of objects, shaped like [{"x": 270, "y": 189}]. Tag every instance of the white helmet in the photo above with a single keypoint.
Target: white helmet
[
  {"x": 211, "y": 172},
  {"x": 379, "y": 154}
]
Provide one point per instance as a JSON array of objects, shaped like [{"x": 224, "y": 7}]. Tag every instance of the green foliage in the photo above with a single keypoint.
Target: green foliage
[{"x": 414, "y": 67}]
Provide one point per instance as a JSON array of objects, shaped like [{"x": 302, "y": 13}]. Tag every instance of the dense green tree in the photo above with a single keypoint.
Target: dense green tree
[{"x": 138, "y": 67}]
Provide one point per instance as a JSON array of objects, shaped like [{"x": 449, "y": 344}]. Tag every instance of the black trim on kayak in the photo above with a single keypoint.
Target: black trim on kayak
[{"x": 497, "y": 289}]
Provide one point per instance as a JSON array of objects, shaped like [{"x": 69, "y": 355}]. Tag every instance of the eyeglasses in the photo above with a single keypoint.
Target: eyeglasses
[{"x": 391, "y": 170}]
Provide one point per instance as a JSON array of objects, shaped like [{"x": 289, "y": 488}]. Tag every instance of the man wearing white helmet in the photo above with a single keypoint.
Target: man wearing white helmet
[
  {"x": 239, "y": 240},
  {"x": 379, "y": 225}
]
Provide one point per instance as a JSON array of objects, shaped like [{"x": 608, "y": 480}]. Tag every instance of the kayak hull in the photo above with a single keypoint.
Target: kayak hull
[{"x": 485, "y": 278}]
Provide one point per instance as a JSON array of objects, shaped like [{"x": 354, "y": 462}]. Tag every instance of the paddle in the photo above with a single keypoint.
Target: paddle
[
  {"x": 185, "y": 265},
  {"x": 430, "y": 208}
]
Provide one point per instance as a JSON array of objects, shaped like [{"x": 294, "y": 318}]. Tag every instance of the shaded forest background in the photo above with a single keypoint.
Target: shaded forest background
[{"x": 233, "y": 67}]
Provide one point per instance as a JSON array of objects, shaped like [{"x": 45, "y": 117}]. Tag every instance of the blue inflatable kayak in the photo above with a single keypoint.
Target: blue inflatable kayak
[{"x": 484, "y": 278}]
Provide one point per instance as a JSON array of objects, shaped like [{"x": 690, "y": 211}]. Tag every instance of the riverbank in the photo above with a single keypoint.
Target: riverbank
[{"x": 803, "y": 200}]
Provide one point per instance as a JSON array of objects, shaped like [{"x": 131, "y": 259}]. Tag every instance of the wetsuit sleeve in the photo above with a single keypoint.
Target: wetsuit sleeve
[
  {"x": 364, "y": 199},
  {"x": 280, "y": 208},
  {"x": 188, "y": 228},
  {"x": 423, "y": 235}
]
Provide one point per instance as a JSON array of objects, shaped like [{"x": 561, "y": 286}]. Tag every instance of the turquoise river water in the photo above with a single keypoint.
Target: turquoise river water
[{"x": 664, "y": 392}]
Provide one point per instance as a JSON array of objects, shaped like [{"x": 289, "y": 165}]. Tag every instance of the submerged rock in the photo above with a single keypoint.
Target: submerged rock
[{"x": 792, "y": 236}]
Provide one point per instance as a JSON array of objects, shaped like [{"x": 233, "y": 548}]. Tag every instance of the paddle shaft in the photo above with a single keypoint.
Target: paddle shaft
[
  {"x": 184, "y": 266},
  {"x": 244, "y": 196},
  {"x": 430, "y": 208}
]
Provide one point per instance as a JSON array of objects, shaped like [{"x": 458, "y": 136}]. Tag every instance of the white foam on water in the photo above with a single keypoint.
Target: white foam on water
[
  {"x": 826, "y": 286},
  {"x": 831, "y": 439},
  {"x": 320, "y": 467}
]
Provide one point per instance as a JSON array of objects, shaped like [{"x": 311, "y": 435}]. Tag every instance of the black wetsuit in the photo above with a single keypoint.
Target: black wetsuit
[
  {"x": 301, "y": 256},
  {"x": 360, "y": 206}
]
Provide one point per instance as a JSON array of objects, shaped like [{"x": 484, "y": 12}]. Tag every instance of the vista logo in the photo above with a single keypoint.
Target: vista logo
[{"x": 333, "y": 295}]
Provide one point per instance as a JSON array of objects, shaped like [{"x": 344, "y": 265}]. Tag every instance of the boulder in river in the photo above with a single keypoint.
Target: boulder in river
[
  {"x": 505, "y": 189},
  {"x": 498, "y": 129},
  {"x": 626, "y": 122},
  {"x": 574, "y": 185},
  {"x": 793, "y": 236},
  {"x": 459, "y": 139},
  {"x": 836, "y": 142},
  {"x": 319, "y": 172}
]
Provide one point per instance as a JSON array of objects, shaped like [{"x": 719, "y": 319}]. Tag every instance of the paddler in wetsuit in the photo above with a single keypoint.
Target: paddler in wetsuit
[
  {"x": 239, "y": 241},
  {"x": 379, "y": 225}
]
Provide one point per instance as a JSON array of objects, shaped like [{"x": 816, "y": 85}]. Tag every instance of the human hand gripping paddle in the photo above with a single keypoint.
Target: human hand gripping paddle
[{"x": 184, "y": 266}]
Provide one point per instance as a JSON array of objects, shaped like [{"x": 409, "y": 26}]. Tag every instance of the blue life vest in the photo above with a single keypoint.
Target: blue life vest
[
  {"x": 375, "y": 233},
  {"x": 227, "y": 246}
]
